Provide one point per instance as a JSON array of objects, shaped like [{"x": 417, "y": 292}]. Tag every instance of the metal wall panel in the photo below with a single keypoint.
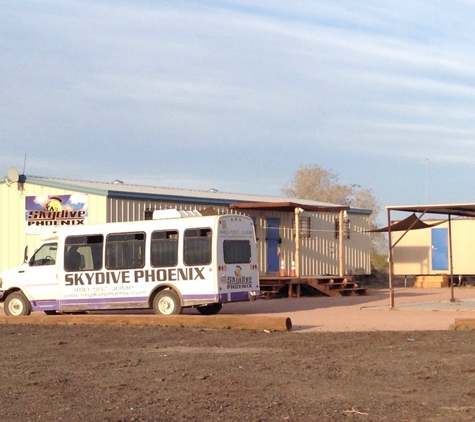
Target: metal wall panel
[
  {"x": 319, "y": 252},
  {"x": 126, "y": 209}
]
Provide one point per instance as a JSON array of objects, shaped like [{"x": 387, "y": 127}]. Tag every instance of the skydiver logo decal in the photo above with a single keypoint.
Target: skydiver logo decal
[
  {"x": 56, "y": 218},
  {"x": 238, "y": 281},
  {"x": 60, "y": 210}
]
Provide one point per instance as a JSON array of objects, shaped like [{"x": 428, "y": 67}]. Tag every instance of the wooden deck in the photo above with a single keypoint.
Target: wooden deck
[{"x": 270, "y": 286}]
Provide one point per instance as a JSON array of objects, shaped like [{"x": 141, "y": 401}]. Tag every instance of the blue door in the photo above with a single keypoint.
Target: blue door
[
  {"x": 440, "y": 249},
  {"x": 272, "y": 242}
]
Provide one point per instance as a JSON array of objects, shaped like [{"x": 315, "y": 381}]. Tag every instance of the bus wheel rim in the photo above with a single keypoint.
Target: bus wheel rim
[
  {"x": 15, "y": 307},
  {"x": 166, "y": 305}
]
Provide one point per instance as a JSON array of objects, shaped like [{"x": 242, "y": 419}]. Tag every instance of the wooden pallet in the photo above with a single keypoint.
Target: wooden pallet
[
  {"x": 432, "y": 281},
  {"x": 337, "y": 286}
]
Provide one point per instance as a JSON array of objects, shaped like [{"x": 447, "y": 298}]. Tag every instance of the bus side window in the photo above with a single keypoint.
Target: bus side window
[
  {"x": 125, "y": 250},
  {"x": 46, "y": 255},
  {"x": 83, "y": 252},
  {"x": 197, "y": 246},
  {"x": 164, "y": 248},
  {"x": 72, "y": 260}
]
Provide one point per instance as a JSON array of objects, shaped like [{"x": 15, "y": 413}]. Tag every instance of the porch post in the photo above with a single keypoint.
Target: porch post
[
  {"x": 341, "y": 254},
  {"x": 297, "y": 212}
]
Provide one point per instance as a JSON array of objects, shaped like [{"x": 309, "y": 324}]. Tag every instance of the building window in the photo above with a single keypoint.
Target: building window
[
  {"x": 346, "y": 227},
  {"x": 304, "y": 225}
]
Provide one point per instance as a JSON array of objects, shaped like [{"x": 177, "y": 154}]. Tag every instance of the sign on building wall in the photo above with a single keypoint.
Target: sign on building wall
[{"x": 54, "y": 210}]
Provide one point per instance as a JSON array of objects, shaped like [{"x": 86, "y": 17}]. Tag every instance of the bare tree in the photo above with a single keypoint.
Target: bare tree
[{"x": 316, "y": 183}]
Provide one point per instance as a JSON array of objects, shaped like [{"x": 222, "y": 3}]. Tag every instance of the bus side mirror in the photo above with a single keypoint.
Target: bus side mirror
[{"x": 25, "y": 255}]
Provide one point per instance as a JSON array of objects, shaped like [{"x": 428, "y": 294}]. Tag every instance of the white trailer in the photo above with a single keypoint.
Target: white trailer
[{"x": 176, "y": 260}]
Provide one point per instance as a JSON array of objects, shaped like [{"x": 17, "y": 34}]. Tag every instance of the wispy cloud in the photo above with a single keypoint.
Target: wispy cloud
[{"x": 181, "y": 91}]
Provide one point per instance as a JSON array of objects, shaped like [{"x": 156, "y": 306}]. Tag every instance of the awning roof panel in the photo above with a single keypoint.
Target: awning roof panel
[
  {"x": 410, "y": 223},
  {"x": 461, "y": 210}
]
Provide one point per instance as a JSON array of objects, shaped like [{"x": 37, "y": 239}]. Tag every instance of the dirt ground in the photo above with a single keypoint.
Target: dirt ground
[{"x": 349, "y": 359}]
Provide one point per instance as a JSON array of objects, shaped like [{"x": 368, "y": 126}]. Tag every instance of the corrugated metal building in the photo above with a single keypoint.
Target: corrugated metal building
[{"x": 332, "y": 239}]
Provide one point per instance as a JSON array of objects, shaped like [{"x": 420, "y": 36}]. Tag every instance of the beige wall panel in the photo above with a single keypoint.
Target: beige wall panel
[
  {"x": 413, "y": 254},
  {"x": 12, "y": 226},
  {"x": 13, "y": 237}
]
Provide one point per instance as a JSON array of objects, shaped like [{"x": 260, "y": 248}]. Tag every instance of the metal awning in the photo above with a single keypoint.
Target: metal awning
[
  {"x": 413, "y": 222},
  {"x": 459, "y": 210}
]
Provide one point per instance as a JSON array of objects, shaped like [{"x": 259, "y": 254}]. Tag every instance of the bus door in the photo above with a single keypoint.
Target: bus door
[
  {"x": 197, "y": 257},
  {"x": 41, "y": 282}
]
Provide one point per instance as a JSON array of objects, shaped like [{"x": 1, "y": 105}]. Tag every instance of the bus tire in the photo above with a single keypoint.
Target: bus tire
[
  {"x": 166, "y": 302},
  {"x": 212, "y": 309},
  {"x": 16, "y": 304}
]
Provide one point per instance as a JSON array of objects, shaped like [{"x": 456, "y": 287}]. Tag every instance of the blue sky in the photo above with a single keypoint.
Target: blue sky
[{"x": 237, "y": 95}]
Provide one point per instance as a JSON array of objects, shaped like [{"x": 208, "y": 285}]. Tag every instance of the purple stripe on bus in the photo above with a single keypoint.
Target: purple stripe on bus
[
  {"x": 200, "y": 297},
  {"x": 239, "y": 296},
  {"x": 85, "y": 300},
  {"x": 142, "y": 301},
  {"x": 44, "y": 305}
]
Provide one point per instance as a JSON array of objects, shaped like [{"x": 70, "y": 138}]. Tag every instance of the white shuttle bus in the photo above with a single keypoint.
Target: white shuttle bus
[{"x": 176, "y": 260}]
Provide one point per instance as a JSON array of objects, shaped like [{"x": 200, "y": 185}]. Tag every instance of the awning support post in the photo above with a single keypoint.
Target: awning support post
[
  {"x": 452, "y": 296},
  {"x": 390, "y": 269}
]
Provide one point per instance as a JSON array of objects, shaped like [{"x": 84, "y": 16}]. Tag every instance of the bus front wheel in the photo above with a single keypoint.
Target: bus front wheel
[
  {"x": 16, "y": 304},
  {"x": 167, "y": 302}
]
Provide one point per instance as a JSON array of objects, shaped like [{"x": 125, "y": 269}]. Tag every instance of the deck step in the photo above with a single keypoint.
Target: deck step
[{"x": 327, "y": 285}]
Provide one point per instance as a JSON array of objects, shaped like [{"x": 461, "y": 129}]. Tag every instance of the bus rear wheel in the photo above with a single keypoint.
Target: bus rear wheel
[
  {"x": 16, "y": 304},
  {"x": 212, "y": 309},
  {"x": 166, "y": 302}
]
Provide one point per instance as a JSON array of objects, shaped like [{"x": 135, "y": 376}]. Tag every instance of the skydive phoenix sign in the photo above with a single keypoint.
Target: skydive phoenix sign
[{"x": 54, "y": 210}]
